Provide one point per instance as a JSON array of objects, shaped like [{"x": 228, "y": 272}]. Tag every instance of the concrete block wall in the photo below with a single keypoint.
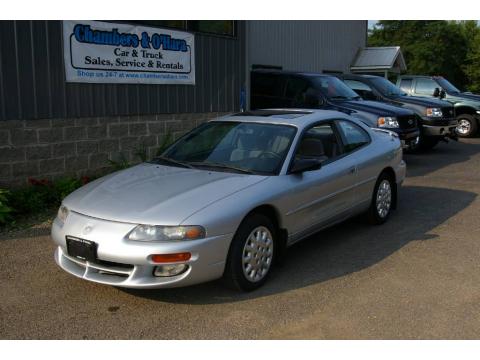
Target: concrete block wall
[{"x": 51, "y": 148}]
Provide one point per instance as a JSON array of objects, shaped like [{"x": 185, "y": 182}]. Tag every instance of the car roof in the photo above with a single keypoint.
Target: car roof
[
  {"x": 358, "y": 76},
  {"x": 295, "y": 117},
  {"x": 421, "y": 76}
]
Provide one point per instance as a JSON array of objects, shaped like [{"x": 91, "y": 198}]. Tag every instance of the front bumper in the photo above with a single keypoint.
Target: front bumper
[
  {"x": 441, "y": 127},
  {"x": 127, "y": 263},
  {"x": 408, "y": 137}
]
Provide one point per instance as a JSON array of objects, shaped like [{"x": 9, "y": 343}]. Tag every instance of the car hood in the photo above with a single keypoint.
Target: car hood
[
  {"x": 473, "y": 97},
  {"x": 375, "y": 107},
  {"x": 156, "y": 194},
  {"x": 423, "y": 101}
]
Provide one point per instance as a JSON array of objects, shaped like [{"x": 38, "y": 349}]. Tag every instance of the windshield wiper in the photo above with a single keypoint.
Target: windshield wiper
[
  {"x": 221, "y": 166},
  {"x": 171, "y": 161}
]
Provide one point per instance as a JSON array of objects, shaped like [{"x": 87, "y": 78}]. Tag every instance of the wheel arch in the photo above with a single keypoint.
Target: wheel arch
[
  {"x": 464, "y": 109},
  {"x": 273, "y": 214}
]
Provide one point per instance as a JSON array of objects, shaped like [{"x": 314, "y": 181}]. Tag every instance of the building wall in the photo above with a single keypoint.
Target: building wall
[
  {"x": 51, "y": 148},
  {"x": 315, "y": 46},
  {"x": 49, "y": 127}
]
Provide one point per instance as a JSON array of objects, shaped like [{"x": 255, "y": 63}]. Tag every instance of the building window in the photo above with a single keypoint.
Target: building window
[{"x": 217, "y": 27}]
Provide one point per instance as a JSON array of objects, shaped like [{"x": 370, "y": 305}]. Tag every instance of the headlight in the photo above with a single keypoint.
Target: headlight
[
  {"x": 387, "y": 122},
  {"x": 434, "y": 112},
  {"x": 166, "y": 233},
  {"x": 62, "y": 213}
]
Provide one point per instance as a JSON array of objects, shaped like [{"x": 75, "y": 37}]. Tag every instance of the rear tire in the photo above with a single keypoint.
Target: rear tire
[
  {"x": 251, "y": 255},
  {"x": 382, "y": 200},
  {"x": 467, "y": 126}
]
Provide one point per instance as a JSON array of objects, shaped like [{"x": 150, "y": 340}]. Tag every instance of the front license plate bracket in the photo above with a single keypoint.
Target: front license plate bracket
[{"x": 81, "y": 248}]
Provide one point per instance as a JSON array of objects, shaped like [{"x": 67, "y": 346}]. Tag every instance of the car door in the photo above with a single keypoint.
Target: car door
[
  {"x": 356, "y": 141},
  {"x": 425, "y": 87},
  {"x": 317, "y": 198}
]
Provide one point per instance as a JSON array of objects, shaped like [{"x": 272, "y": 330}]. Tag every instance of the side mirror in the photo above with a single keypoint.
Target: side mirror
[
  {"x": 301, "y": 165},
  {"x": 436, "y": 92},
  {"x": 313, "y": 99},
  {"x": 442, "y": 94}
]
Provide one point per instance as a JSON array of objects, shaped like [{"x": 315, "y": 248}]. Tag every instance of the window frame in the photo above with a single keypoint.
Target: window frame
[
  {"x": 344, "y": 140},
  {"x": 425, "y": 93},
  {"x": 185, "y": 28},
  {"x": 335, "y": 129}
]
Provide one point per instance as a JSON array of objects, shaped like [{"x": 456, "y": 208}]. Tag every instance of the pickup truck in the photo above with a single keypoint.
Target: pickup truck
[
  {"x": 467, "y": 105},
  {"x": 437, "y": 119},
  {"x": 284, "y": 89}
]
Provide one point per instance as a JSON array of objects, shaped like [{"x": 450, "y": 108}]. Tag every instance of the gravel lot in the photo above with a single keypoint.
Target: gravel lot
[{"x": 415, "y": 277}]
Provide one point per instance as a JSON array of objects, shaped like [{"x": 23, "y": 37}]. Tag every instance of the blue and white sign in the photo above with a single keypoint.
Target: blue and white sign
[{"x": 101, "y": 52}]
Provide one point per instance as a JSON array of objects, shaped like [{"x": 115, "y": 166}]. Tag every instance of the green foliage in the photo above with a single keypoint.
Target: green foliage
[
  {"x": 62, "y": 187},
  {"x": 167, "y": 140},
  {"x": 447, "y": 48},
  {"x": 141, "y": 152},
  {"x": 40, "y": 195},
  {"x": 472, "y": 64},
  {"x": 120, "y": 164},
  {"x": 5, "y": 210}
]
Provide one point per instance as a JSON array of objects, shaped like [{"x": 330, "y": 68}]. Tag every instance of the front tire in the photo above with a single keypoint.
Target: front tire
[
  {"x": 467, "y": 126},
  {"x": 251, "y": 255},
  {"x": 382, "y": 200}
]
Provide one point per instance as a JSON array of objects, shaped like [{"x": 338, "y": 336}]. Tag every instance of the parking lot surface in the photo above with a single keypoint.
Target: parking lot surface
[{"x": 417, "y": 276}]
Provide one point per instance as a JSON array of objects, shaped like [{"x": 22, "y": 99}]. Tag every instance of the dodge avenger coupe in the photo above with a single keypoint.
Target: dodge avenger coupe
[{"x": 227, "y": 199}]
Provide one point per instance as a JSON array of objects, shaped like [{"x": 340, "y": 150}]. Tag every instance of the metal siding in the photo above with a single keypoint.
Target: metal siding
[
  {"x": 306, "y": 45},
  {"x": 32, "y": 78}
]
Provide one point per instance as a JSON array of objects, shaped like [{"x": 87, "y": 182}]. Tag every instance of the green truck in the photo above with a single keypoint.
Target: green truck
[{"x": 467, "y": 105}]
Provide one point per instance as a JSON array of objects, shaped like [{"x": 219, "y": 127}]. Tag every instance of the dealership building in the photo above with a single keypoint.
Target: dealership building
[{"x": 76, "y": 94}]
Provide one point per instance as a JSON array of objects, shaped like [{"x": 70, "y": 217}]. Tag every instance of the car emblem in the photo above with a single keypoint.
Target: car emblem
[
  {"x": 87, "y": 229},
  {"x": 410, "y": 122}
]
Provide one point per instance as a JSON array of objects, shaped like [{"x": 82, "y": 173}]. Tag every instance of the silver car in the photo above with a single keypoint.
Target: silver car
[{"x": 227, "y": 199}]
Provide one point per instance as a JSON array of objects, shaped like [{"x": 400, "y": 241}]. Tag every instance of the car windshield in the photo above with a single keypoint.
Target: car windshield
[
  {"x": 243, "y": 147},
  {"x": 447, "y": 85},
  {"x": 386, "y": 88},
  {"x": 334, "y": 89}
]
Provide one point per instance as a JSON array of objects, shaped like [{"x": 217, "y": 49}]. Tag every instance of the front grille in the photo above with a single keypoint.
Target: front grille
[
  {"x": 114, "y": 264},
  {"x": 407, "y": 122},
  {"x": 103, "y": 266}
]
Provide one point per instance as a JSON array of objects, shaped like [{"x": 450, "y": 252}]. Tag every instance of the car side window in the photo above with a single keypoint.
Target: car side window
[
  {"x": 353, "y": 136},
  {"x": 406, "y": 85},
  {"x": 320, "y": 143},
  {"x": 361, "y": 89},
  {"x": 268, "y": 84},
  {"x": 296, "y": 88},
  {"x": 425, "y": 86}
]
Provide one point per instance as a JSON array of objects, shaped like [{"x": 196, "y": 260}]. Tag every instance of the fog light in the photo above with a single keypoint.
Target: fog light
[{"x": 170, "y": 270}]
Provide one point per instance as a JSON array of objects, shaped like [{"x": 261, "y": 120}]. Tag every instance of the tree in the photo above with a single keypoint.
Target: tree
[
  {"x": 435, "y": 47},
  {"x": 472, "y": 63}
]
